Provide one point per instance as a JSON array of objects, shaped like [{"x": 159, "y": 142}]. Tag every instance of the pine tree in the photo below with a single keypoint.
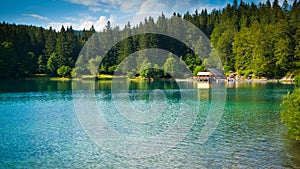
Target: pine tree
[{"x": 61, "y": 48}]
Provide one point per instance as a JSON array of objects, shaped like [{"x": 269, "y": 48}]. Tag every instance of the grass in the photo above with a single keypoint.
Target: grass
[
  {"x": 60, "y": 78},
  {"x": 41, "y": 75},
  {"x": 138, "y": 79},
  {"x": 101, "y": 77},
  {"x": 105, "y": 77}
]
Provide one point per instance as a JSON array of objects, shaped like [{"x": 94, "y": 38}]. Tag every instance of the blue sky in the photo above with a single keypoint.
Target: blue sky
[{"x": 84, "y": 13}]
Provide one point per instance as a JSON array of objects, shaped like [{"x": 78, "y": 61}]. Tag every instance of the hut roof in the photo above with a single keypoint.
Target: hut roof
[{"x": 203, "y": 73}]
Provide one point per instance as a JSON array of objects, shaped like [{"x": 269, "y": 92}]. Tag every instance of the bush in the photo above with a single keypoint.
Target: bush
[
  {"x": 63, "y": 71},
  {"x": 200, "y": 68},
  {"x": 227, "y": 69},
  {"x": 112, "y": 69},
  {"x": 130, "y": 75},
  {"x": 247, "y": 73},
  {"x": 297, "y": 81},
  {"x": 240, "y": 73},
  {"x": 290, "y": 113}
]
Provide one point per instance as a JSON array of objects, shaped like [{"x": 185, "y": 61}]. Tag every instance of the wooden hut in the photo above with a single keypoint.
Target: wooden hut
[
  {"x": 203, "y": 76},
  {"x": 210, "y": 74}
]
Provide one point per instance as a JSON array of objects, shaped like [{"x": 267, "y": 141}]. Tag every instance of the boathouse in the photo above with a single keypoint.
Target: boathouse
[
  {"x": 203, "y": 76},
  {"x": 210, "y": 73}
]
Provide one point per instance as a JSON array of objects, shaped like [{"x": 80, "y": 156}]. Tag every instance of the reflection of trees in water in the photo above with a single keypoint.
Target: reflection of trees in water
[
  {"x": 34, "y": 85},
  {"x": 291, "y": 152},
  {"x": 142, "y": 90}
]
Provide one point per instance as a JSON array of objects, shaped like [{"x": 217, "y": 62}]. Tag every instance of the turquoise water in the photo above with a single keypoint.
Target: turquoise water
[{"x": 39, "y": 127}]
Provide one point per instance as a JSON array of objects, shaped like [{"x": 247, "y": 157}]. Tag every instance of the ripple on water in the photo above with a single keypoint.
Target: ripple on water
[{"x": 41, "y": 130}]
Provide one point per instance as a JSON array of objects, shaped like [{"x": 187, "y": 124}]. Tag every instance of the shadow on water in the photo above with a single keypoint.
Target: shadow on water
[{"x": 38, "y": 85}]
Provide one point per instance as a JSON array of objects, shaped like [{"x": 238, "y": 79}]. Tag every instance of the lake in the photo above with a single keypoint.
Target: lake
[{"x": 40, "y": 128}]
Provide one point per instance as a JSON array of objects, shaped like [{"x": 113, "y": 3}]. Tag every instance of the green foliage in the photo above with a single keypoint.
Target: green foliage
[
  {"x": 77, "y": 72},
  {"x": 112, "y": 69},
  {"x": 26, "y": 50},
  {"x": 52, "y": 63},
  {"x": 240, "y": 72},
  {"x": 81, "y": 66},
  {"x": 227, "y": 69},
  {"x": 7, "y": 59},
  {"x": 93, "y": 65},
  {"x": 130, "y": 75},
  {"x": 29, "y": 64},
  {"x": 169, "y": 66},
  {"x": 145, "y": 69},
  {"x": 42, "y": 64},
  {"x": 290, "y": 113},
  {"x": 157, "y": 72},
  {"x": 63, "y": 71},
  {"x": 264, "y": 49},
  {"x": 247, "y": 73},
  {"x": 263, "y": 39},
  {"x": 297, "y": 81},
  {"x": 200, "y": 68}
]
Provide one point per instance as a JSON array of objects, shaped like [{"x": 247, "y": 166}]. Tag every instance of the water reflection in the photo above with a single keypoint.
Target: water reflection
[
  {"x": 290, "y": 156},
  {"x": 41, "y": 126},
  {"x": 245, "y": 84},
  {"x": 32, "y": 85}
]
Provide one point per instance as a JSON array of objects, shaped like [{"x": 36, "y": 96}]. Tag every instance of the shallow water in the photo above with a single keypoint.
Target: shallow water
[{"x": 39, "y": 127}]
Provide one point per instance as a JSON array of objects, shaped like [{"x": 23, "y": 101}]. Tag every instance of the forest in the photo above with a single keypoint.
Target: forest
[{"x": 261, "y": 40}]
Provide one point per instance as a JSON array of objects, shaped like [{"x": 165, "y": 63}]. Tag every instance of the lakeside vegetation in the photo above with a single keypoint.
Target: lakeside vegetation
[
  {"x": 262, "y": 40},
  {"x": 290, "y": 111}
]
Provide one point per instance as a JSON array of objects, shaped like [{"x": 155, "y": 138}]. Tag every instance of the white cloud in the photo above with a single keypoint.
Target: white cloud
[
  {"x": 85, "y": 2},
  {"x": 70, "y": 19},
  {"x": 127, "y": 6},
  {"x": 137, "y": 10},
  {"x": 100, "y": 23},
  {"x": 37, "y": 16},
  {"x": 95, "y": 9},
  {"x": 83, "y": 22},
  {"x": 57, "y": 25},
  {"x": 130, "y": 6},
  {"x": 167, "y": 6},
  {"x": 142, "y": 6},
  {"x": 179, "y": 6},
  {"x": 154, "y": 8}
]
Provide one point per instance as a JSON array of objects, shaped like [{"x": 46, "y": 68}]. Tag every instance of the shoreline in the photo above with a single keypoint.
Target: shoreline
[
  {"x": 139, "y": 79},
  {"x": 266, "y": 80}
]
